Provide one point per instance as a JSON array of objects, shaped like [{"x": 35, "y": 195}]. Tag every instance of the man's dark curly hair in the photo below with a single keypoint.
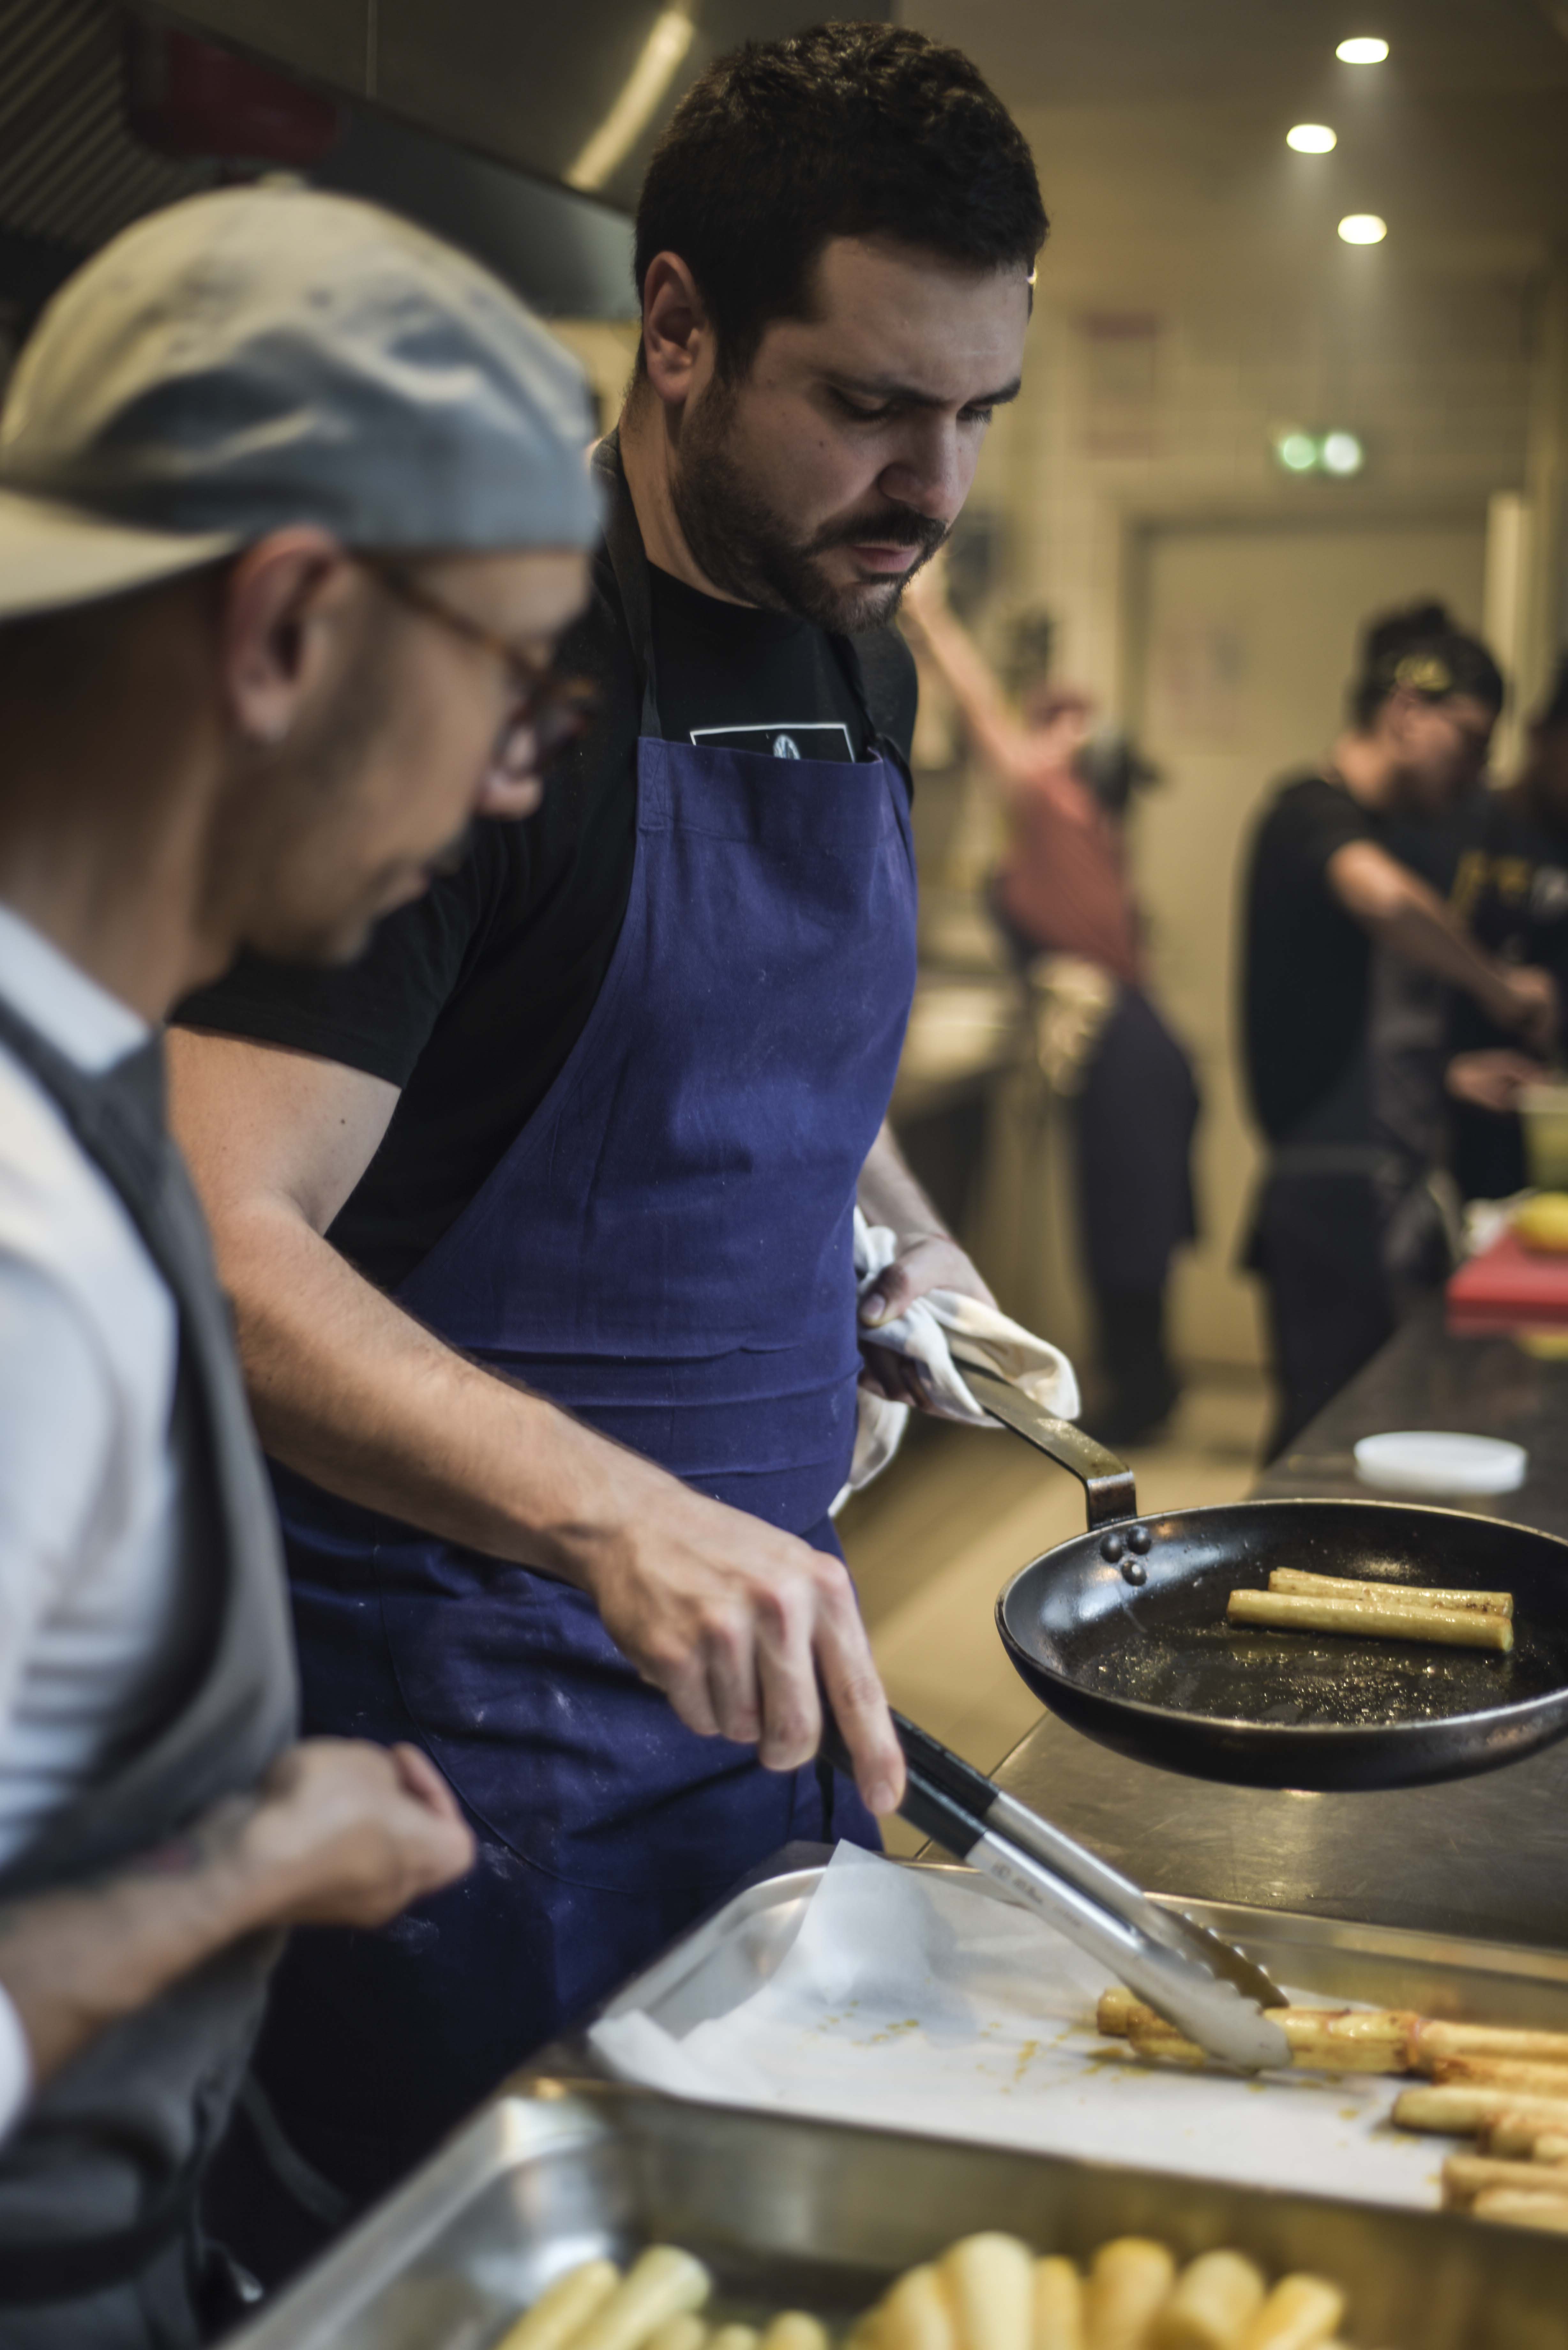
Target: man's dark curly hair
[
  {"x": 851, "y": 129},
  {"x": 1424, "y": 650}
]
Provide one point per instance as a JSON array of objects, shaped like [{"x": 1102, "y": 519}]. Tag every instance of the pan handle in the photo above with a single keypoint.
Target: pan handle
[{"x": 1109, "y": 1491}]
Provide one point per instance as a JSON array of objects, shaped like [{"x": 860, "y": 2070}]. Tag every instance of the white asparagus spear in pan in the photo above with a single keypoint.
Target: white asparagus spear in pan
[
  {"x": 793, "y": 2330},
  {"x": 1130, "y": 2283},
  {"x": 564, "y": 2309},
  {"x": 916, "y": 2314},
  {"x": 1431, "y": 2041},
  {"x": 1058, "y": 2305},
  {"x": 1301, "y": 2313},
  {"x": 1521, "y": 2211},
  {"x": 1459, "y": 2112},
  {"x": 989, "y": 2281},
  {"x": 664, "y": 2283},
  {"x": 1420, "y": 1594},
  {"x": 685, "y": 2332},
  {"x": 1214, "y": 2301},
  {"x": 1321, "y": 2038},
  {"x": 1381, "y": 1619},
  {"x": 1466, "y": 2176}
]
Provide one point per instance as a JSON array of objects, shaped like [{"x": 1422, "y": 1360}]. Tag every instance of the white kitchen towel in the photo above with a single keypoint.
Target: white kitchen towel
[
  {"x": 1040, "y": 1369},
  {"x": 912, "y": 1999}
]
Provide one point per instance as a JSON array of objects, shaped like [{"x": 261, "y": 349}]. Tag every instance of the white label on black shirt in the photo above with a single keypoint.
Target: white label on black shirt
[{"x": 816, "y": 739}]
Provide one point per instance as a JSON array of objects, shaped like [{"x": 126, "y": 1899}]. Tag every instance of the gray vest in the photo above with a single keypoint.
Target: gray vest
[{"x": 98, "y": 2183}]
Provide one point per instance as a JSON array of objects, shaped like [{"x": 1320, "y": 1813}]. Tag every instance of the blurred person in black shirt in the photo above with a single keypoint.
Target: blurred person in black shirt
[
  {"x": 1325, "y": 885},
  {"x": 1510, "y": 889}
]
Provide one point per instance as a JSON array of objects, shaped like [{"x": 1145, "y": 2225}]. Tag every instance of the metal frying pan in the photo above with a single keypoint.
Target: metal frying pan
[{"x": 1122, "y": 1631}]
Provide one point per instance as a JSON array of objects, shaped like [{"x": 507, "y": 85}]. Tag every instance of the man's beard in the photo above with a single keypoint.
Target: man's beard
[{"x": 749, "y": 551}]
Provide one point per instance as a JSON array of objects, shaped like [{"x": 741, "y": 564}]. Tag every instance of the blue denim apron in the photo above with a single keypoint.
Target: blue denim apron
[{"x": 666, "y": 1249}]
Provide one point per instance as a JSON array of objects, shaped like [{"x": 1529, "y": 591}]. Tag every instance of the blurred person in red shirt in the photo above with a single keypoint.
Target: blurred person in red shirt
[{"x": 1061, "y": 896}]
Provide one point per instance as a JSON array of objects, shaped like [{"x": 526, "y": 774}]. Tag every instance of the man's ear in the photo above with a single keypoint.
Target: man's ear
[
  {"x": 677, "y": 333},
  {"x": 284, "y": 599}
]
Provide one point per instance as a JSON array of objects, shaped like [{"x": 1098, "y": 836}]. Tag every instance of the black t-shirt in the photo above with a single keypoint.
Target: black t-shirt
[
  {"x": 470, "y": 999},
  {"x": 1305, "y": 974},
  {"x": 1511, "y": 889},
  {"x": 1510, "y": 886}
]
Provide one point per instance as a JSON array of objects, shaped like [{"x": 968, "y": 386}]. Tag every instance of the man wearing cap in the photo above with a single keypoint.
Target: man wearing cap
[
  {"x": 589, "y": 1124},
  {"x": 293, "y": 507}
]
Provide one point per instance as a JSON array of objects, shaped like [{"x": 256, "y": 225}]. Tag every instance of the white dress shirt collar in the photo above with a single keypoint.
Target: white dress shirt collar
[{"x": 79, "y": 1018}]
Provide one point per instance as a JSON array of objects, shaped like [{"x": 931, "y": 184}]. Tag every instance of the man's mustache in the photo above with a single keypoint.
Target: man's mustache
[{"x": 893, "y": 526}]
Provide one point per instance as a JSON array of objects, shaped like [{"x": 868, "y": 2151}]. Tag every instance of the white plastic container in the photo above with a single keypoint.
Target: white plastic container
[{"x": 1433, "y": 1461}]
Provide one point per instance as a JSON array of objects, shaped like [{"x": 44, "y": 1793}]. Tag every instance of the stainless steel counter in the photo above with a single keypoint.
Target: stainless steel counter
[{"x": 1485, "y": 1856}]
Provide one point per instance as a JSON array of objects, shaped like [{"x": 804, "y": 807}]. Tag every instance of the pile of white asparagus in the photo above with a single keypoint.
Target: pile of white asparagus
[
  {"x": 1504, "y": 2085},
  {"x": 987, "y": 2293},
  {"x": 990, "y": 2292},
  {"x": 1298, "y": 1602},
  {"x": 657, "y": 2305}
]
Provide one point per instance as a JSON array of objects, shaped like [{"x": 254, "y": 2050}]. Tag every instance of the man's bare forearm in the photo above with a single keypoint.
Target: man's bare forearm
[
  {"x": 1404, "y": 913},
  {"x": 968, "y": 677},
  {"x": 339, "y": 1833},
  {"x": 889, "y": 1193},
  {"x": 926, "y": 1257},
  {"x": 1427, "y": 936},
  {"x": 76, "y": 1961},
  {"x": 731, "y": 1618},
  {"x": 352, "y": 1392}
]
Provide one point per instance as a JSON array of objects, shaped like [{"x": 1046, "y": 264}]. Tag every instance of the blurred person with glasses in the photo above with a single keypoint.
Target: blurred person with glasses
[{"x": 294, "y": 507}]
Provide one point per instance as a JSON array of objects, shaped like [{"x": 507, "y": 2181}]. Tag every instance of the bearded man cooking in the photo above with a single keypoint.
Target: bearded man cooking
[{"x": 539, "y": 1220}]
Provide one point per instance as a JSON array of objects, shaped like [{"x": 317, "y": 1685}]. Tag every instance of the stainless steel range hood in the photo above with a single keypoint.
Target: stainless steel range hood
[{"x": 575, "y": 91}]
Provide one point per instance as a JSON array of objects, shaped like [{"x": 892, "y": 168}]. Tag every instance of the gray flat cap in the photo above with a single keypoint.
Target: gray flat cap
[{"x": 266, "y": 355}]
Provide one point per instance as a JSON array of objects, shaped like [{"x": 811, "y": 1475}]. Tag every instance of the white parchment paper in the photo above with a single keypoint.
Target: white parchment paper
[{"x": 916, "y": 2002}]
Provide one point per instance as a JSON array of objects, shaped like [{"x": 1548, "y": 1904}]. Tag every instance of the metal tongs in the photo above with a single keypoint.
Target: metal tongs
[{"x": 1207, "y": 1988}]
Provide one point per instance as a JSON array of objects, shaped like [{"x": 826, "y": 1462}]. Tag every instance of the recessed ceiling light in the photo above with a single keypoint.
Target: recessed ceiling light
[
  {"x": 1311, "y": 139},
  {"x": 1369, "y": 51},
  {"x": 1363, "y": 228},
  {"x": 1341, "y": 453}
]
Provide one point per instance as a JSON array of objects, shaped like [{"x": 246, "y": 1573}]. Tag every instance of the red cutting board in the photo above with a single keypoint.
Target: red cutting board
[{"x": 1507, "y": 1285}]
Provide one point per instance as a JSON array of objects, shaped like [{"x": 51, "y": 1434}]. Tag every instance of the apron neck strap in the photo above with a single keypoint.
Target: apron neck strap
[
  {"x": 849, "y": 662},
  {"x": 628, "y": 561}
]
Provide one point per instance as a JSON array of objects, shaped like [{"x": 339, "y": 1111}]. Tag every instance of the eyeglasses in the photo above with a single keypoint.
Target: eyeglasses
[{"x": 549, "y": 709}]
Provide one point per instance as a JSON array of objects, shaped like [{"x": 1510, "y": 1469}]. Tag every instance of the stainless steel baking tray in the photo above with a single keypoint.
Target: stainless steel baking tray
[
  {"x": 817, "y": 2215},
  {"x": 729, "y": 1956}
]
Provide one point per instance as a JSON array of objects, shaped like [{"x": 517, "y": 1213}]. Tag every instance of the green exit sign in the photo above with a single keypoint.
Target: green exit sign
[{"x": 1337, "y": 453}]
